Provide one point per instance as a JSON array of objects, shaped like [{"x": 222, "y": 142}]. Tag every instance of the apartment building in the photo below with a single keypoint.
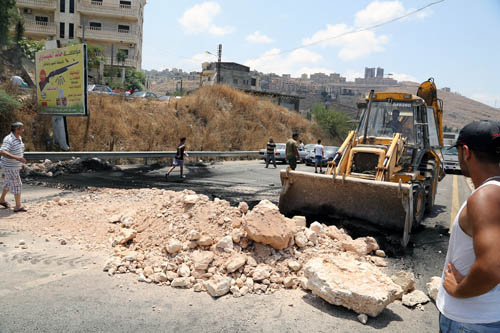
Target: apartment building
[{"x": 110, "y": 24}]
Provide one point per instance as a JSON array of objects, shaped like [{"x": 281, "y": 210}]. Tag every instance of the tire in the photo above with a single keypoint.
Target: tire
[
  {"x": 419, "y": 205},
  {"x": 431, "y": 185}
]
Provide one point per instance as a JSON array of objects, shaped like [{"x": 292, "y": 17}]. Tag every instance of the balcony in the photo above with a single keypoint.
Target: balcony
[
  {"x": 123, "y": 36},
  {"x": 32, "y": 27},
  {"x": 92, "y": 7},
  {"x": 129, "y": 62},
  {"x": 38, "y": 4}
]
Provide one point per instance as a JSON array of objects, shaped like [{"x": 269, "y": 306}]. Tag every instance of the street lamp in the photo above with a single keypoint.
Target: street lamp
[{"x": 219, "y": 57}]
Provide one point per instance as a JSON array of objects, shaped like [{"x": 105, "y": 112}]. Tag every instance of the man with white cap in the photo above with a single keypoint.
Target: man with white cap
[{"x": 12, "y": 161}]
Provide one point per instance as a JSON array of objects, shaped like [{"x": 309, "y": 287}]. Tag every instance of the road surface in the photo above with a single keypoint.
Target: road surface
[{"x": 49, "y": 287}]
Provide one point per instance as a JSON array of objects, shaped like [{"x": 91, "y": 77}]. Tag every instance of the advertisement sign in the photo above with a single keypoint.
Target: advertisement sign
[{"x": 61, "y": 80}]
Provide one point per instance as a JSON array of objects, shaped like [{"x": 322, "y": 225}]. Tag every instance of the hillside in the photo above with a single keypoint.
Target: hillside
[
  {"x": 458, "y": 110},
  {"x": 212, "y": 118}
]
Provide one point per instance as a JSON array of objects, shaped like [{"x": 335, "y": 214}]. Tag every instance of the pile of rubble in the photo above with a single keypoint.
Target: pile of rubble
[
  {"x": 185, "y": 240},
  {"x": 210, "y": 246},
  {"x": 76, "y": 165}
]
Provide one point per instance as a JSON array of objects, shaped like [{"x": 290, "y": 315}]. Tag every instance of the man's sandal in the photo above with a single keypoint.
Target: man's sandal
[
  {"x": 18, "y": 210},
  {"x": 5, "y": 205}
]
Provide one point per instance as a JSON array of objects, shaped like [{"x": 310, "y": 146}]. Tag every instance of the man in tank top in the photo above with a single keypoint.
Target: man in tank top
[{"x": 469, "y": 298}]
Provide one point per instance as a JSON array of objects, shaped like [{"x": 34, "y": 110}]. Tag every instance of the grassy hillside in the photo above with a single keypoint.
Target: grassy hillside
[{"x": 213, "y": 118}]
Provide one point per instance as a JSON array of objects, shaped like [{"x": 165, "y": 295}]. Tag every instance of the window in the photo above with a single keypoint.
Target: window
[
  {"x": 41, "y": 20},
  {"x": 254, "y": 82},
  {"x": 97, "y": 2},
  {"x": 235, "y": 81},
  {"x": 61, "y": 30},
  {"x": 95, "y": 25},
  {"x": 125, "y": 4},
  {"x": 71, "y": 31},
  {"x": 72, "y": 6},
  {"x": 123, "y": 28},
  {"x": 62, "y": 6},
  {"x": 124, "y": 51}
]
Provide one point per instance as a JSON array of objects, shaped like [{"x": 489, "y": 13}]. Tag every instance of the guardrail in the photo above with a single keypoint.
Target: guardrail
[{"x": 59, "y": 156}]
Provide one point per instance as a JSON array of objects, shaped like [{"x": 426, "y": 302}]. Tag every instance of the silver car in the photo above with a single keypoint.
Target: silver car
[
  {"x": 330, "y": 152},
  {"x": 450, "y": 157}
]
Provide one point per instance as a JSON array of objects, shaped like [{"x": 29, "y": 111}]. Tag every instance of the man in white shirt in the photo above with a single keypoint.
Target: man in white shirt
[
  {"x": 319, "y": 155},
  {"x": 12, "y": 161},
  {"x": 469, "y": 298}
]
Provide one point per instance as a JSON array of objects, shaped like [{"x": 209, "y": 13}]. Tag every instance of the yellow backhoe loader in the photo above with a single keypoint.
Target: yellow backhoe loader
[{"x": 385, "y": 173}]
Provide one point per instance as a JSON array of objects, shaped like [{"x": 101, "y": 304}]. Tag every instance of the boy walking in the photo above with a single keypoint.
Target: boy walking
[
  {"x": 179, "y": 158},
  {"x": 319, "y": 155},
  {"x": 270, "y": 152}
]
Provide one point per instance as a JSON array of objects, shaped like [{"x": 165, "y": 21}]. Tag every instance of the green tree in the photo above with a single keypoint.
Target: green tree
[
  {"x": 6, "y": 7},
  {"x": 121, "y": 56},
  {"x": 30, "y": 47},
  {"x": 134, "y": 79},
  {"x": 334, "y": 123},
  {"x": 8, "y": 105}
]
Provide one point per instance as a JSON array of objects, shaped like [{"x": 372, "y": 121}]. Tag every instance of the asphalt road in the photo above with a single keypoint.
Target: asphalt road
[{"x": 52, "y": 288}]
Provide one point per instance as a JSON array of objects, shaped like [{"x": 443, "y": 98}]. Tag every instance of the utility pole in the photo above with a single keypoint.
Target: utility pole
[
  {"x": 112, "y": 63},
  {"x": 219, "y": 63}
]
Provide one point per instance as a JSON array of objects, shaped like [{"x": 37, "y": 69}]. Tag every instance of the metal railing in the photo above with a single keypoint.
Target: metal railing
[
  {"x": 129, "y": 62},
  {"x": 59, "y": 156},
  {"x": 33, "y": 26},
  {"x": 99, "y": 8},
  {"x": 114, "y": 35},
  {"x": 37, "y": 3}
]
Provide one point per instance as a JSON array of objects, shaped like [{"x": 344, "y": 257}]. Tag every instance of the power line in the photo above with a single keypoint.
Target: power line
[{"x": 355, "y": 31}]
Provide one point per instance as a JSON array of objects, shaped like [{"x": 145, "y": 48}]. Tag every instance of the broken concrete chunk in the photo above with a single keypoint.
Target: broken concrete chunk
[
  {"x": 300, "y": 221},
  {"x": 235, "y": 263},
  {"x": 125, "y": 235},
  {"x": 174, "y": 246},
  {"x": 361, "y": 246},
  {"x": 406, "y": 280},
  {"x": 218, "y": 286},
  {"x": 414, "y": 298},
  {"x": 359, "y": 286},
  {"x": 433, "y": 287},
  {"x": 202, "y": 259},
  {"x": 265, "y": 224}
]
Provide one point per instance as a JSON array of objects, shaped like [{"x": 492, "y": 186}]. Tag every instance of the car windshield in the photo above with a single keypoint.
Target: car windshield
[
  {"x": 280, "y": 146},
  {"x": 386, "y": 119},
  {"x": 450, "y": 151},
  {"x": 331, "y": 149},
  {"x": 309, "y": 147},
  {"x": 139, "y": 94}
]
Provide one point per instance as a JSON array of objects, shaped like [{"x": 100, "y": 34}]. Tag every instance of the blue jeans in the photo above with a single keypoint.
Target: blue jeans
[{"x": 450, "y": 326}]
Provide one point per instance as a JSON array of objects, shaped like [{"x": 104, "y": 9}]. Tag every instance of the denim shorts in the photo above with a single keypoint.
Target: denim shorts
[
  {"x": 318, "y": 159},
  {"x": 447, "y": 325},
  {"x": 178, "y": 162}
]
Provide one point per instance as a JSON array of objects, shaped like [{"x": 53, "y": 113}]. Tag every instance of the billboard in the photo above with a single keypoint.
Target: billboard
[{"x": 61, "y": 81}]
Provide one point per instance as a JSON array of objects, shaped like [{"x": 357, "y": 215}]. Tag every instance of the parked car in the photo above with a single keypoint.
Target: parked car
[
  {"x": 101, "y": 89},
  {"x": 164, "y": 98},
  {"x": 280, "y": 154},
  {"x": 304, "y": 152},
  {"x": 143, "y": 94},
  {"x": 330, "y": 152},
  {"x": 450, "y": 157}
]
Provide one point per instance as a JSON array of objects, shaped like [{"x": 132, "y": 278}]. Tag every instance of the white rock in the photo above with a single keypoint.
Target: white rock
[
  {"x": 300, "y": 221},
  {"x": 289, "y": 281},
  {"x": 171, "y": 275},
  {"x": 362, "y": 246},
  {"x": 194, "y": 235},
  {"x": 235, "y": 263},
  {"x": 181, "y": 282},
  {"x": 363, "y": 318},
  {"x": 300, "y": 239},
  {"x": 380, "y": 253},
  {"x": 243, "y": 207},
  {"x": 311, "y": 235},
  {"x": 406, "y": 280},
  {"x": 261, "y": 272},
  {"x": 218, "y": 286},
  {"x": 414, "y": 298},
  {"x": 294, "y": 265},
  {"x": 433, "y": 287},
  {"x": 303, "y": 283},
  {"x": 174, "y": 246},
  {"x": 22, "y": 242},
  {"x": 225, "y": 243},
  {"x": 184, "y": 270},
  {"x": 249, "y": 283},
  {"x": 316, "y": 227},
  {"x": 125, "y": 235},
  {"x": 205, "y": 240},
  {"x": 202, "y": 259},
  {"x": 236, "y": 235},
  {"x": 244, "y": 290},
  {"x": 342, "y": 280},
  {"x": 190, "y": 199}
]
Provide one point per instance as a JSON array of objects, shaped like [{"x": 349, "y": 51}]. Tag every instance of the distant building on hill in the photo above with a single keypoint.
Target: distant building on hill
[{"x": 231, "y": 73}]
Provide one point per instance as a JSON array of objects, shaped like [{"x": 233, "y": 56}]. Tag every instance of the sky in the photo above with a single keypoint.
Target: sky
[{"x": 455, "y": 41}]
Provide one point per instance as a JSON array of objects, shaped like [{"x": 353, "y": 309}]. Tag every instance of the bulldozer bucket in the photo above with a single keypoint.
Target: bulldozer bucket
[{"x": 386, "y": 204}]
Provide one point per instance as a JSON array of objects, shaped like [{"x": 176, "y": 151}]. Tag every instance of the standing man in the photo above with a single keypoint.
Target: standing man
[
  {"x": 301, "y": 146},
  {"x": 179, "y": 158},
  {"x": 12, "y": 161},
  {"x": 469, "y": 298},
  {"x": 292, "y": 153},
  {"x": 270, "y": 152},
  {"x": 319, "y": 155}
]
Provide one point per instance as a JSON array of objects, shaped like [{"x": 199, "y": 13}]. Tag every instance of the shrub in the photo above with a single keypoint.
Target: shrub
[{"x": 8, "y": 105}]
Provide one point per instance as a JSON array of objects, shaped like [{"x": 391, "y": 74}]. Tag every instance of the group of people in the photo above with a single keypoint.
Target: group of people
[
  {"x": 469, "y": 297},
  {"x": 292, "y": 153}
]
